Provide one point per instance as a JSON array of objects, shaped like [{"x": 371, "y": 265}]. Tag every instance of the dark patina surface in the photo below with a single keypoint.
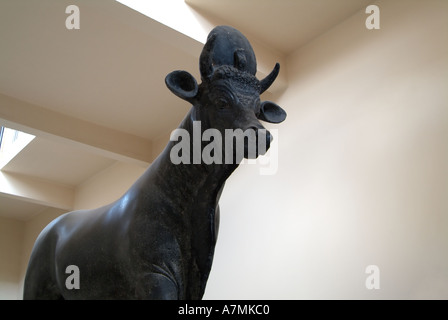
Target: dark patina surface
[{"x": 157, "y": 241}]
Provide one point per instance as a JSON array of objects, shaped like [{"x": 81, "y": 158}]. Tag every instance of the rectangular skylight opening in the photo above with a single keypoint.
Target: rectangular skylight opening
[{"x": 11, "y": 143}]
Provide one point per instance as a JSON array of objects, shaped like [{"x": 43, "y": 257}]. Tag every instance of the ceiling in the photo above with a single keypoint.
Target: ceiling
[
  {"x": 281, "y": 24},
  {"x": 107, "y": 71},
  {"x": 96, "y": 95},
  {"x": 55, "y": 161}
]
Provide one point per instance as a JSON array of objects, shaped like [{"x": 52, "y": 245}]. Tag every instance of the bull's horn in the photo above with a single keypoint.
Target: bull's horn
[{"x": 270, "y": 78}]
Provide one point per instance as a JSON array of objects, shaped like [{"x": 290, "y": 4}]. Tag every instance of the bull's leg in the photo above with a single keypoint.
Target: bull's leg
[{"x": 156, "y": 286}]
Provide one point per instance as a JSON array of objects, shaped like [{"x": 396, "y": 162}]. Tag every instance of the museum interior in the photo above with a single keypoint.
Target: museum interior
[{"x": 351, "y": 200}]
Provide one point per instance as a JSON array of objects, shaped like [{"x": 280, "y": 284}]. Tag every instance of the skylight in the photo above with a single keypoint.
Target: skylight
[
  {"x": 11, "y": 143},
  {"x": 175, "y": 14}
]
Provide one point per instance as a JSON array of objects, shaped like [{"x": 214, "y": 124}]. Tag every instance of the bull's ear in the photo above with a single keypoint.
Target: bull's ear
[
  {"x": 182, "y": 84},
  {"x": 271, "y": 112}
]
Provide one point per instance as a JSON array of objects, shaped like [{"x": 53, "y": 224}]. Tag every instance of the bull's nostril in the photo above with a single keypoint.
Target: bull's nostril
[
  {"x": 269, "y": 137},
  {"x": 265, "y": 137},
  {"x": 257, "y": 142}
]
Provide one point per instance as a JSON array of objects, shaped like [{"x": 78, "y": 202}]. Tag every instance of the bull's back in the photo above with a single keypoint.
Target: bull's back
[
  {"x": 78, "y": 238},
  {"x": 40, "y": 279}
]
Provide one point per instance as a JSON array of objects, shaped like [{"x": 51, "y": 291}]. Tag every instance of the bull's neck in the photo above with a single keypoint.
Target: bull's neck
[
  {"x": 196, "y": 188},
  {"x": 195, "y": 173}
]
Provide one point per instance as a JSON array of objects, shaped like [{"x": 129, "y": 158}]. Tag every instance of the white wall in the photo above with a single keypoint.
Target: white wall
[
  {"x": 363, "y": 170},
  {"x": 10, "y": 251}
]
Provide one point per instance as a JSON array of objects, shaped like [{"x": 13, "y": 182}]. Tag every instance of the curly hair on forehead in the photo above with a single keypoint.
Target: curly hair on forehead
[{"x": 226, "y": 72}]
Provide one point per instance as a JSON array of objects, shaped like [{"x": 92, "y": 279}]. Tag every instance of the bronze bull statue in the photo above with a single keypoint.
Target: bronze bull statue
[{"x": 157, "y": 241}]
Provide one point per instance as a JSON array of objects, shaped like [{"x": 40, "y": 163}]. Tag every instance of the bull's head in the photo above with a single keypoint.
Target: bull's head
[{"x": 229, "y": 95}]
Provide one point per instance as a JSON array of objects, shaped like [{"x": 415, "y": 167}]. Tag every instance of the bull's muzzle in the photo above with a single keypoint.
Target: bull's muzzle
[{"x": 256, "y": 142}]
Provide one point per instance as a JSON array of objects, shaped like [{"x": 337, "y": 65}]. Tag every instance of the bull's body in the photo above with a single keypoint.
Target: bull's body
[{"x": 157, "y": 241}]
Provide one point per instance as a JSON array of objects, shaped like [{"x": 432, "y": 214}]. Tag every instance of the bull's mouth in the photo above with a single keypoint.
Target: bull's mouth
[{"x": 255, "y": 144}]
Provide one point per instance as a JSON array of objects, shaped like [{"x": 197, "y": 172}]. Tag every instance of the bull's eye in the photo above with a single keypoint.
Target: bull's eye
[
  {"x": 222, "y": 103},
  {"x": 222, "y": 97}
]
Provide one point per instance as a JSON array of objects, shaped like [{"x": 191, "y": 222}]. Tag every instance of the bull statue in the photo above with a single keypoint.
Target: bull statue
[{"x": 157, "y": 241}]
